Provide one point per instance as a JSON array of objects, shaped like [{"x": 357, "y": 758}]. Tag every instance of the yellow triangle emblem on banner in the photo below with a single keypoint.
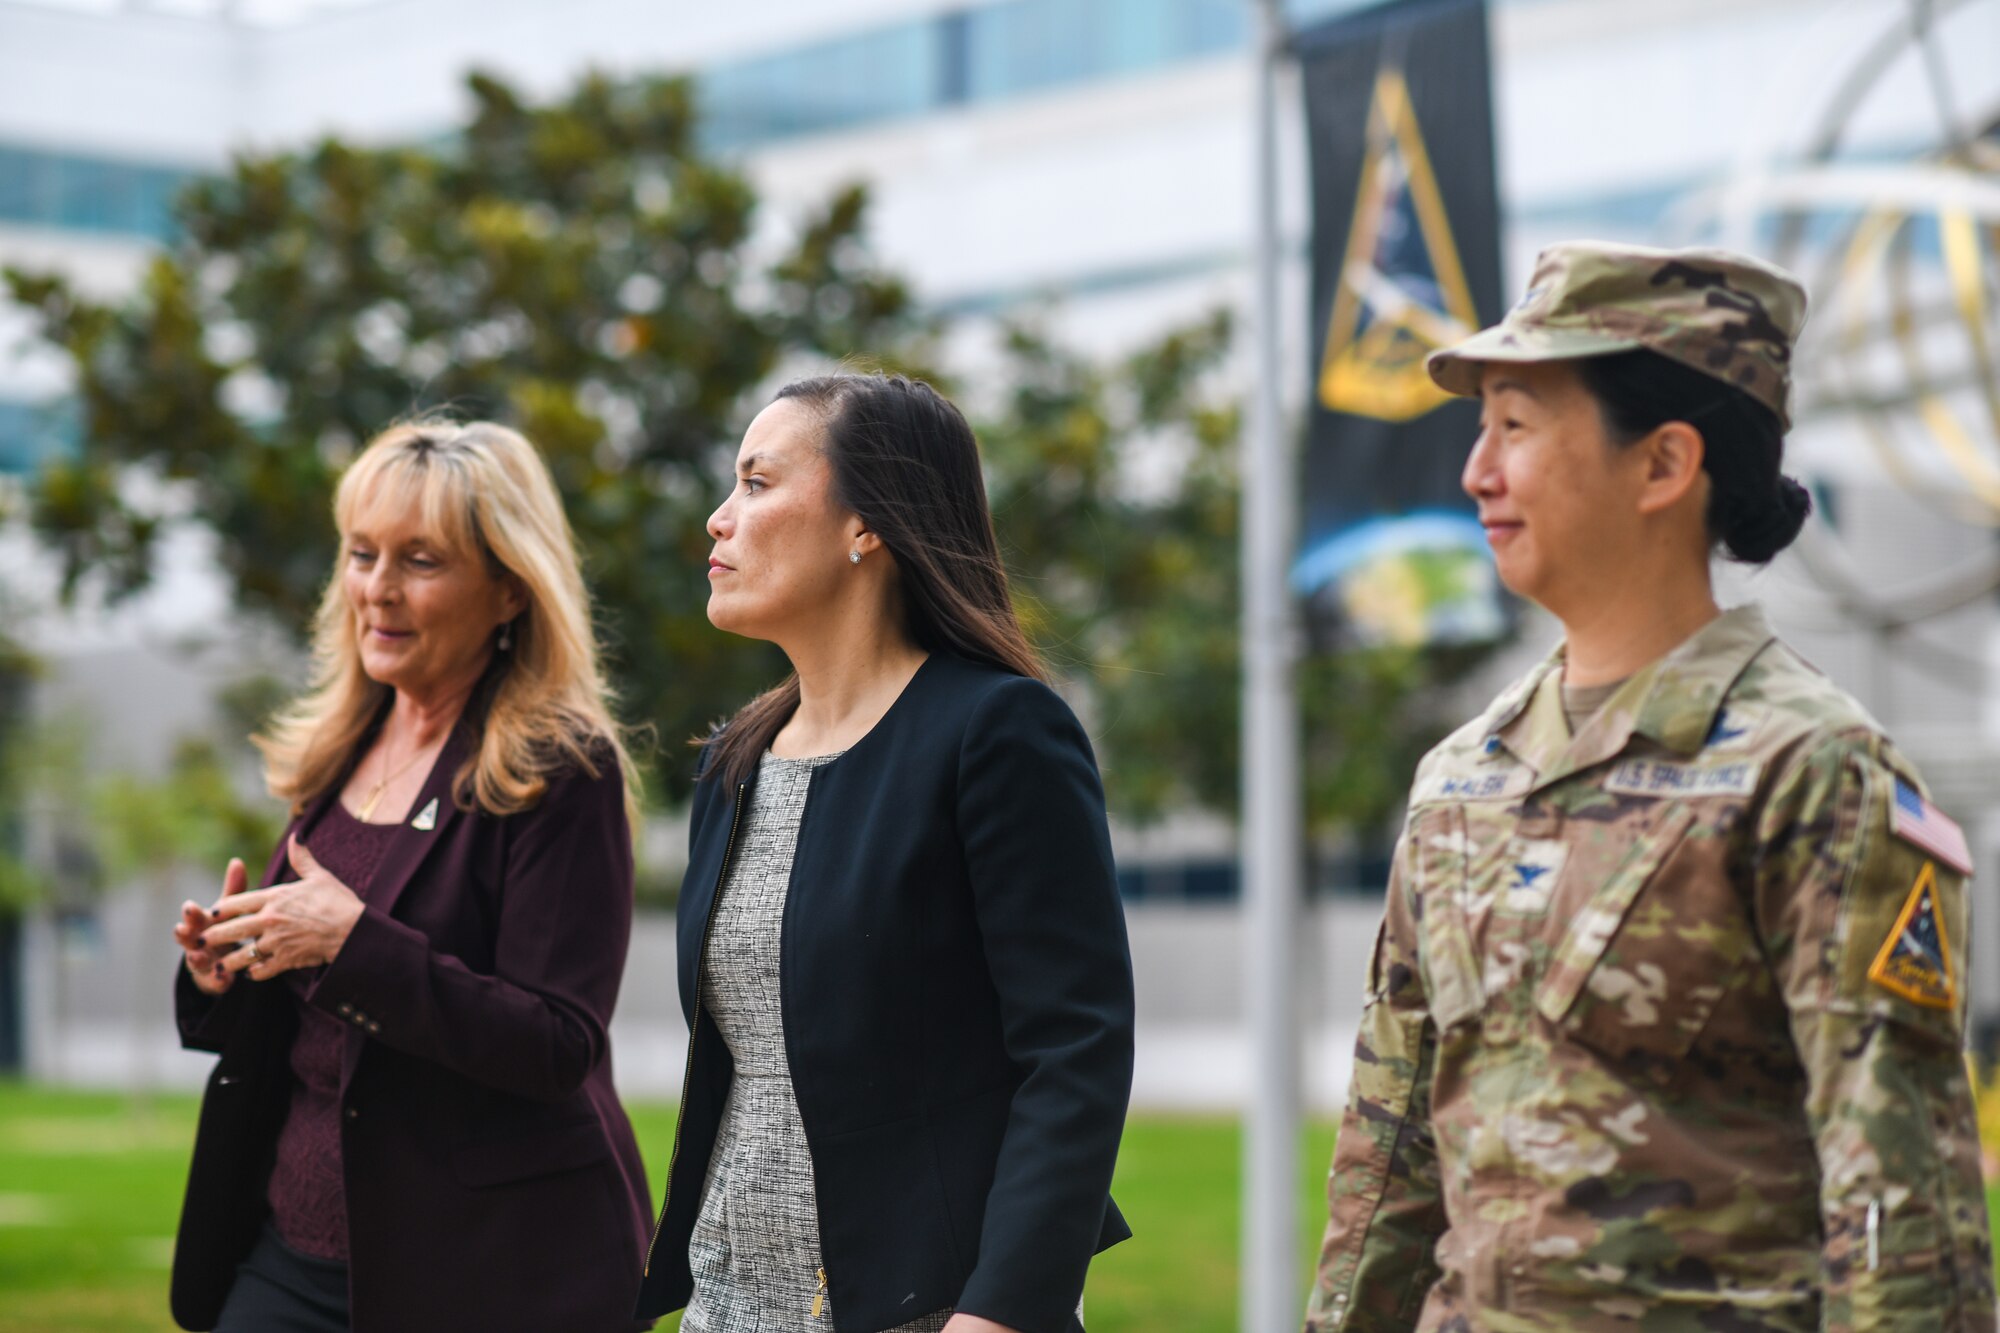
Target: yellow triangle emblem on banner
[{"x": 1385, "y": 321}]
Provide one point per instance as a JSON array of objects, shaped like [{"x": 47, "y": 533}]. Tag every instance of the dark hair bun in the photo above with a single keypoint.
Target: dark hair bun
[
  {"x": 1755, "y": 533},
  {"x": 1754, "y": 510}
]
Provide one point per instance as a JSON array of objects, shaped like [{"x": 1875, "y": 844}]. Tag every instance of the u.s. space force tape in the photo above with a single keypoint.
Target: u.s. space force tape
[{"x": 1666, "y": 777}]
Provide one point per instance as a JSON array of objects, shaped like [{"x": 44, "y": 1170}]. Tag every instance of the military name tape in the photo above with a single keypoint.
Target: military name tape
[
  {"x": 1660, "y": 777},
  {"x": 1488, "y": 785}
]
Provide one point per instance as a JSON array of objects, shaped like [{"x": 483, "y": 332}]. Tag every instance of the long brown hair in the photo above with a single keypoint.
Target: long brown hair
[{"x": 905, "y": 462}]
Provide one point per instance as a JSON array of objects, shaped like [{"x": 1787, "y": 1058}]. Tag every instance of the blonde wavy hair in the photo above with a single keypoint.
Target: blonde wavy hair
[{"x": 483, "y": 491}]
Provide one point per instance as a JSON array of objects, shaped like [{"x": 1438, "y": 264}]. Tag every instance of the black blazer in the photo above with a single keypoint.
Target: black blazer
[
  {"x": 957, "y": 1008},
  {"x": 492, "y": 1178}
]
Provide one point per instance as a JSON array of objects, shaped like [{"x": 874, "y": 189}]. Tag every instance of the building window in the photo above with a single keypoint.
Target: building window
[
  {"x": 981, "y": 53},
  {"x": 872, "y": 76},
  {"x": 32, "y": 432},
  {"x": 1029, "y": 45},
  {"x": 79, "y": 192}
]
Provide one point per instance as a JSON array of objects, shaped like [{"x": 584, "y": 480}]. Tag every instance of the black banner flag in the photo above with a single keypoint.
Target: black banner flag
[{"x": 1406, "y": 258}]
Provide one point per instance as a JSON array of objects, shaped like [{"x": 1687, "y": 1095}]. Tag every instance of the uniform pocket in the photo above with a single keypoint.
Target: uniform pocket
[
  {"x": 1440, "y": 852},
  {"x": 1644, "y": 964}
]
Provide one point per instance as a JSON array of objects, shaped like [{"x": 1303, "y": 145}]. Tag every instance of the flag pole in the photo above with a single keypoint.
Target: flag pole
[{"x": 1272, "y": 1296}]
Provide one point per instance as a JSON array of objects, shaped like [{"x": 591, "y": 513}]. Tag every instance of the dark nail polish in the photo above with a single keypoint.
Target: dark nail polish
[
  {"x": 201, "y": 941},
  {"x": 219, "y": 970}
]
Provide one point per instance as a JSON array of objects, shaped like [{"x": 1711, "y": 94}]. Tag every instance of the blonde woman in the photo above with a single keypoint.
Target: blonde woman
[{"x": 412, "y": 1123}]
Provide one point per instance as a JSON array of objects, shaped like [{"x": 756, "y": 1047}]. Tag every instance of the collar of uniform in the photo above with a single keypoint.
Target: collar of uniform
[
  {"x": 1672, "y": 700},
  {"x": 1513, "y": 701},
  {"x": 1690, "y": 682}
]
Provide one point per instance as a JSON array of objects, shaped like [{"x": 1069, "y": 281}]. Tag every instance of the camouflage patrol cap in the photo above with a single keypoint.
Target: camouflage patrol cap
[{"x": 1720, "y": 313}]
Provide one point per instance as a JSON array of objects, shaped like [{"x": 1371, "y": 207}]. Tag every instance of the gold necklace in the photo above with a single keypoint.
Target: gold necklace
[{"x": 375, "y": 794}]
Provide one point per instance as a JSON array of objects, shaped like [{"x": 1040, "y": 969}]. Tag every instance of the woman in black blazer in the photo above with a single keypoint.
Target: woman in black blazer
[{"x": 902, "y": 954}]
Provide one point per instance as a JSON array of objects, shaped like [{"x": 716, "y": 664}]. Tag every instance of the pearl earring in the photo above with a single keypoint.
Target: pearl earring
[
  {"x": 507, "y": 637},
  {"x": 854, "y": 557}
]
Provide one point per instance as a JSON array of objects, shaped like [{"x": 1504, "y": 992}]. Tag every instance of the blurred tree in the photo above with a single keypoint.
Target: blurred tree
[
  {"x": 1115, "y": 490},
  {"x": 192, "y": 817},
  {"x": 576, "y": 269},
  {"x": 1114, "y": 493},
  {"x": 24, "y": 760},
  {"x": 154, "y": 832},
  {"x": 579, "y": 270},
  {"x": 21, "y": 758}
]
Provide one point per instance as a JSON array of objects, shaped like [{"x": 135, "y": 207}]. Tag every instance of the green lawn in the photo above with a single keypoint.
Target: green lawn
[
  {"x": 89, "y": 1191},
  {"x": 90, "y": 1187}
]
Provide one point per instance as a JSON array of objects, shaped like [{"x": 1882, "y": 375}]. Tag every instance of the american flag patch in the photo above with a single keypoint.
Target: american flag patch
[{"x": 1916, "y": 820}]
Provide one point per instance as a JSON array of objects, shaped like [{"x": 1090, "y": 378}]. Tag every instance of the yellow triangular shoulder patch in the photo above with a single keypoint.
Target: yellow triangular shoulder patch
[
  {"x": 1400, "y": 296},
  {"x": 1915, "y": 961}
]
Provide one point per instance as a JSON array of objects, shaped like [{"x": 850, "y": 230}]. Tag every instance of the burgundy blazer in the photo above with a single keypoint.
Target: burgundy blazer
[{"x": 492, "y": 1178}]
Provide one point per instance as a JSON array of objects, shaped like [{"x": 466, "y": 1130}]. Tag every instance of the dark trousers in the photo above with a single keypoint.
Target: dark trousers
[{"x": 279, "y": 1290}]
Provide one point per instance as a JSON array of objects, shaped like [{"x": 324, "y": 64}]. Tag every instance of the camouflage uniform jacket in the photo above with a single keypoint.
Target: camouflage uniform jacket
[{"x": 1664, "y": 1025}]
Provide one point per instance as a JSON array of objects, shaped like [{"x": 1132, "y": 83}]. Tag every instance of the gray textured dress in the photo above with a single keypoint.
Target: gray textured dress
[{"x": 755, "y": 1248}]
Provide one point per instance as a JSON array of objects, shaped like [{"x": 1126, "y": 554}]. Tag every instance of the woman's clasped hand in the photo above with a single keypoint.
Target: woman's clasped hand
[
  {"x": 203, "y": 956},
  {"x": 280, "y": 929}
]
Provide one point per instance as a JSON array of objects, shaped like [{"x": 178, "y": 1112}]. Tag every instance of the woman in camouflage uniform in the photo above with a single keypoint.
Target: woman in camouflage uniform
[{"x": 1664, "y": 1027}]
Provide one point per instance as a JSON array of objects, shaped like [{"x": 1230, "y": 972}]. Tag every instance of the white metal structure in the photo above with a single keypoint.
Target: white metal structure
[{"x": 1273, "y": 838}]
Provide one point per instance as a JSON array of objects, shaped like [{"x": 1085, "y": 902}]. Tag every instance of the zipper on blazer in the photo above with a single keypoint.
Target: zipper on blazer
[
  {"x": 819, "y": 1297},
  {"x": 694, "y": 1029}
]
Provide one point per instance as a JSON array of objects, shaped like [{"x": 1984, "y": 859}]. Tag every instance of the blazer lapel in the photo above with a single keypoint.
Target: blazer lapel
[
  {"x": 406, "y": 855},
  {"x": 703, "y": 880},
  {"x": 309, "y": 818},
  {"x": 434, "y": 807},
  {"x": 280, "y": 871}
]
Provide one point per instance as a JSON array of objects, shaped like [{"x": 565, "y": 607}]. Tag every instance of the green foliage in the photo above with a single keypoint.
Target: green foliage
[
  {"x": 575, "y": 269},
  {"x": 1116, "y": 493},
  {"x": 579, "y": 270},
  {"x": 110, "y": 828},
  {"x": 1369, "y": 715},
  {"x": 245, "y": 705},
  {"x": 23, "y": 756},
  {"x": 193, "y": 816}
]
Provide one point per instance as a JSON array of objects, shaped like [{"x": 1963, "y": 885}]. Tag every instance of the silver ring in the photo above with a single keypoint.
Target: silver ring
[{"x": 250, "y": 951}]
